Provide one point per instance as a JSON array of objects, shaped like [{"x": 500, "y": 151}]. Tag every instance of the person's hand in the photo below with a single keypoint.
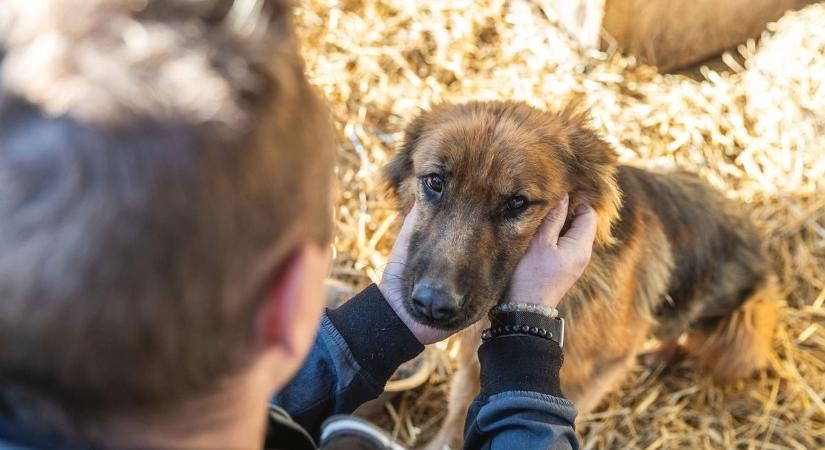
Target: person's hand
[
  {"x": 391, "y": 285},
  {"x": 553, "y": 263}
]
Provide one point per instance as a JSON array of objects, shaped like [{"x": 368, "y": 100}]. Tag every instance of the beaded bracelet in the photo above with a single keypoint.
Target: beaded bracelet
[
  {"x": 522, "y": 321},
  {"x": 556, "y": 335}
]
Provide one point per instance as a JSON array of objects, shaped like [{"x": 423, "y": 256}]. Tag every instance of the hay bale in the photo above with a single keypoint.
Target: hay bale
[{"x": 754, "y": 131}]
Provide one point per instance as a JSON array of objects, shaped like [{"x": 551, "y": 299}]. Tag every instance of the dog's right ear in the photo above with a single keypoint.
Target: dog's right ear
[
  {"x": 592, "y": 170},
  {"x": 398, "y": 173}
]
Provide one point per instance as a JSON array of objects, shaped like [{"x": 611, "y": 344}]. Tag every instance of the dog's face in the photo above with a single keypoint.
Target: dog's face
[{"x": 484, "y": 175}]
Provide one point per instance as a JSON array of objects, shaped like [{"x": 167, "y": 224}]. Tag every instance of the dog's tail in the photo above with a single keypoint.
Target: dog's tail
[{"x": 740, "y": 343}]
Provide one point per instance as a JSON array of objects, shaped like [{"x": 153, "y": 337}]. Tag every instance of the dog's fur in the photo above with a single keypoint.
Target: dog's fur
[{"x": 671, "y": 257}]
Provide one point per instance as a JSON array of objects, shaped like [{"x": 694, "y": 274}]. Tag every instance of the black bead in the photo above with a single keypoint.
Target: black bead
[
  {"x": 506, "y": 328},
  {"x": 525, "y": 328},
  {"x": 534, "y": 330},
  {"x": 542, "y": 332}
]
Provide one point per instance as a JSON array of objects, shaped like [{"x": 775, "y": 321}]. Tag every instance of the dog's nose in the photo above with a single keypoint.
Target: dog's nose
[{"x": 434, "y": 303}]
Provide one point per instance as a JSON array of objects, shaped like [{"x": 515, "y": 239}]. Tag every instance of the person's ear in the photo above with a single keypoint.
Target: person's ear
[{"x": 293, "y": 302}]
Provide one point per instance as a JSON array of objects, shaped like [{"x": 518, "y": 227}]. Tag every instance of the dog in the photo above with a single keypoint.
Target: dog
[{"x": 672, "y": 258}]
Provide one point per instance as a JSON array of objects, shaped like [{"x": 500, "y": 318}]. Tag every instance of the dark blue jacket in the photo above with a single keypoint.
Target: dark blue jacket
[{"x": 361, "y": 343}]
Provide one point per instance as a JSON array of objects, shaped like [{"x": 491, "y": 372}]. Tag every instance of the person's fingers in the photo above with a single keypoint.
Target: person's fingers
[
  {"x": 553, "y": 222},
  {"x": 577, "y": 242},
  {"x": 582, "y": 229}
]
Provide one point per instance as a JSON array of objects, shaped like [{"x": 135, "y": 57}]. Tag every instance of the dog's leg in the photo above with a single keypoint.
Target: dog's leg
[
  {"x": 463, "y": 389},
  {"x": 587, "y": 393},
  {"x": 739, "y": 343},
  {"x": 594, "y": 366}
]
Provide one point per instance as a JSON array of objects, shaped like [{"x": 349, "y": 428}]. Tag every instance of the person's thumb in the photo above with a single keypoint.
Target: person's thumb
[{"x": 399, "y": 249}]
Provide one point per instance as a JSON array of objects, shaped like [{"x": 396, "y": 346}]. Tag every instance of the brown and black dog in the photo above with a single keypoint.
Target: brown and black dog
[{"x": 672, "y": 258}]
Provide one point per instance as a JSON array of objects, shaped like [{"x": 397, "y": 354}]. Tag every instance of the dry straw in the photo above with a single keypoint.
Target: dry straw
[{"x": 756, "y": 131}]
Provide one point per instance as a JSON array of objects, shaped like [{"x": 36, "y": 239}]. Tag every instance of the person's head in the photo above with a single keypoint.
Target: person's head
[{"x": 164, "y": 192}]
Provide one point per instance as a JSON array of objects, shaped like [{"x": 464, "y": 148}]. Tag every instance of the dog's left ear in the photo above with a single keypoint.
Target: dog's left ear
[
  {"x": 592, "y": 167},
  {"x": 398, "y": 173}
]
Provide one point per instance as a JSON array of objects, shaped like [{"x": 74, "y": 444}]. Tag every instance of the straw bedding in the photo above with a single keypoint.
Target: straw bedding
[{"x": 755, "y": 130}]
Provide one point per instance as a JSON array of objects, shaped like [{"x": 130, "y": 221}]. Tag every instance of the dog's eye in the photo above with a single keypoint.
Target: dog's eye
[
  {"x": 516, "y": 203},
  {"x": 434, "y": 182}
]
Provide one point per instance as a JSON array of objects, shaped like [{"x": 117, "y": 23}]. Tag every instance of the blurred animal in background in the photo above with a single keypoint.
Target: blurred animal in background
[{"x": 673, "y": 259}]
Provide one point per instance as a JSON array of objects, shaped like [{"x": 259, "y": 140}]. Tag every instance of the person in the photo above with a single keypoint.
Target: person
[{"x": 165, "y": 179}]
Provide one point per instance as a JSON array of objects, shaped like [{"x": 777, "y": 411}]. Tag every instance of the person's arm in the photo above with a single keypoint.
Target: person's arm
[
  {"x": 358, "y": 347},
  {"x": 521, "y": 404}
]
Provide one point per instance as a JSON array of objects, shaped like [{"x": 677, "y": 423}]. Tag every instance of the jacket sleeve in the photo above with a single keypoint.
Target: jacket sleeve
[
  {"x": 520, "y": 404},
  {"x": 358, "y": 347}
]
